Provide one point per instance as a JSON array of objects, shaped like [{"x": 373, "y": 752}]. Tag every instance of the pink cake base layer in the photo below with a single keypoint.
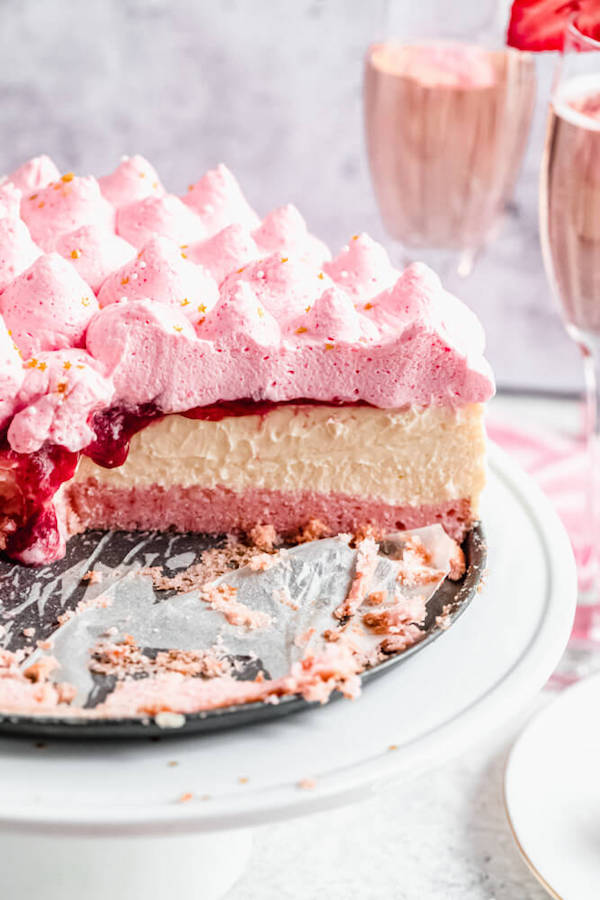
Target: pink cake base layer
[{"x": 220, "y": 510}]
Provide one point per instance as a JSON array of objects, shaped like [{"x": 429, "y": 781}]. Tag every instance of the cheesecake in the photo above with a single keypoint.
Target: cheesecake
[{"x": 180, "y": 363}]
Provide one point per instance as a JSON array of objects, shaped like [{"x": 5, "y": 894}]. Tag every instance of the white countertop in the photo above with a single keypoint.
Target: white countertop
[{"x": 444, "y": 836}]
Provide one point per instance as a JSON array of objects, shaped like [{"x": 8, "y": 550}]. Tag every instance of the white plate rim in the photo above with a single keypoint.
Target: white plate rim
[
  {"x": 565, "y": 697},
  {"x": 512, "y": 692}
]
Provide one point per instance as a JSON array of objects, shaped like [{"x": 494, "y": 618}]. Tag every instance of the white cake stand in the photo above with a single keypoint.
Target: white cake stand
[{"x": 107, "y": 819}]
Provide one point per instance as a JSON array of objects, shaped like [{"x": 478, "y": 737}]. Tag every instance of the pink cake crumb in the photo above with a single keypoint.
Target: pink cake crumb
[{"x": 222, "y": 597}]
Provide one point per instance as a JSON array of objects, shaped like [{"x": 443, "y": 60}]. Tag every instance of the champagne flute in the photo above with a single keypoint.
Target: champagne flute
[
  {"x": 447, "y": 113},
  {"x": 570, "y": 231}
]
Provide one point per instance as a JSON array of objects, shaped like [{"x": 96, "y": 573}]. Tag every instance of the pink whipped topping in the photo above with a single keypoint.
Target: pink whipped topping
[
  {"x": 11, "y": 374},
  {"x": 58, "y": 393},
  {"x": 48, "y": 306},
  {"x": 133, "y": 179},
  {"x": 36, "y": 173},
  {"x": 149, "y": 299},
  {"x": 162, "y": 272},
  {"x": 94, "y": 253},
  {"x": 17, "y": 250},
  {"x": 437, "y": 63},
  {"x": 218, "y": 200},
  {"x": 10, "y": 199},
  {"x": 63, "y": 206}
]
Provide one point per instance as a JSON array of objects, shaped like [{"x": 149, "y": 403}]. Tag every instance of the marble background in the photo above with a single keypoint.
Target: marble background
[{"x": 272, "y": 88}]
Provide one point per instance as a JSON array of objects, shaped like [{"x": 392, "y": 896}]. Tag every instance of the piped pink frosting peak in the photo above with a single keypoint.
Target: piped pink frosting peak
[
  {"x": 284, "y": 230},
  {"x": 133, "y": 179},
  {"x": 362, "y": 268},
  {"x": 332, "y": 317},
  {"x": 285, "y": 287},
  {"x": 60, "y": 391},
  {"x": 48, "y": 306},
  {"x": 227, "y": 250},
  {"x": 139, "y": 342},
  {"x": 218, "y": 199},
  {"x": 64, "y": 206},
  {"x": 11, "y": 373},
  {"x": 10, "y": 200},
  {"x": 239, "y": 319},
  {"x": 161, "y": 272},
  {"x": 94, "y": 253},
  {"x": 17, "y": 250},
  {"x": 199, "y": 301},
  {"x": 165, "y": 216},
  {"x": 36, "y": 173}
]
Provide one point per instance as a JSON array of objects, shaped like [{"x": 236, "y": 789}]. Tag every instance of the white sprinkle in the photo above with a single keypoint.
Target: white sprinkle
[
  {"x": 343, "y": 274},
  {"x": 209, "y": 208},
  {"x": 260, "y": 274},
  {"x": 123, "y": 298},
  {"x": 134, "y": 276},
  {"x": 142, "y": 264}
]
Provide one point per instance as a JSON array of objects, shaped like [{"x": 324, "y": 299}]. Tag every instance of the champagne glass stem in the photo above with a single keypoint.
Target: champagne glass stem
[{"x": 591, "y": 591}]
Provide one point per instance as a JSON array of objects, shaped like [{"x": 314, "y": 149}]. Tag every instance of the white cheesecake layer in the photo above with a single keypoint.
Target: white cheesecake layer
[{"x": 416, "y": 456}]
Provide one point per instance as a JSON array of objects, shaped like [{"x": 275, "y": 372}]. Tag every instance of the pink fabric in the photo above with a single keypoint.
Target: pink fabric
[{"x": 559, "y": 464}]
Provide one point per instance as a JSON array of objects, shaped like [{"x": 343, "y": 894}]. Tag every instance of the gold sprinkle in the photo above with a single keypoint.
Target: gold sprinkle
[
  {"x": 172, "y": 762},
  {"x": 307, "y": 308},
  {"x": 202, "y": 308},
  {"x": 31, "y": 364},
  {"x": 393, "y": 747},
  {"x": 284, "y": 258},
  {"x": 329, "y": 346},
  {"x": 142, "y": 174},
  {"x": 75, "y": 254},
  {"x": 190, "y": 187},
  {"x": 185, "y": 798},
  {"x": 368, "y": 306},
  {"x": 69, "y": 176},
  {"x": 185, "y": 302},
  {"x": 80, "y": 367},
  {"x": 67, "y": 366},
  {"x": 320, "y": 275},
  {"x": 242, "y": 780},
  {"x": 239, "y": 271},
  {"x": 32, "y": 196},
  {"x": 184, "y": 255},
  {"x": 42, "y": 367},
  {"x": 183, "y": 246},
  {"x": 355, "y": 237},
  {"x": 85, "y": 301},
  {"x": 62, "y": 387},
  {"x": 301, "y": 329},
  {"x": 154, "y": 185},
  {"x": 260, "y": 311},
  {"x": 41, "y": 204},
  {"x": 178, "y": 327}
]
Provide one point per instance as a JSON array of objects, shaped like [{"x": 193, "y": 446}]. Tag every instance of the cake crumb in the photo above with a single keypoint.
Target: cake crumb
[
  {"x": 185, "y": 798},
  {"x": 307, "y": 784},
  {"x": 393, "y": 747},
  {"x": 264, "y": 537},
  {"x": 314, "y": 530},
  {"x": 92, "y": 577},
  {"x": 243, "y": 779},
  {"x": 172, "y": 763}
]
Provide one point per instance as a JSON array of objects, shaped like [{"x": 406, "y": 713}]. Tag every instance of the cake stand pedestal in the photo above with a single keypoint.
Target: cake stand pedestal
[
  {"x": 126, "y": 818},
  {"x": 199, "y": 867}
]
